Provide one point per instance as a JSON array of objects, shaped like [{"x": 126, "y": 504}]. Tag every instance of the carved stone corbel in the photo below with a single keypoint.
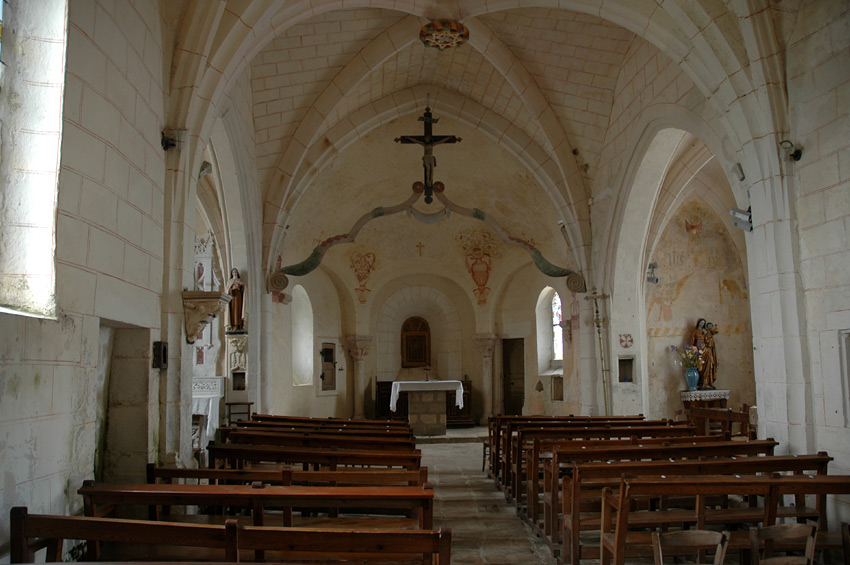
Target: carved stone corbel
[{"x": 198, "y": 307}]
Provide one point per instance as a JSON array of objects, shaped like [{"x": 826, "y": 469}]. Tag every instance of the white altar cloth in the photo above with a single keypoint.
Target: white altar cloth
[
  {"x": 426, "y": 386},
  {"x": 208, "y": 406}
]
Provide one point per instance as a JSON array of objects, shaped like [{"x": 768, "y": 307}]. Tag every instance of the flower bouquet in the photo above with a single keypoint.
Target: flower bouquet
[{"x": 689, "y": 357}]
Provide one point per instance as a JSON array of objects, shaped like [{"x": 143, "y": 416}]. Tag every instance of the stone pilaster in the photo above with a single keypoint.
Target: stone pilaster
[
  {"x": 358, "y": 348},
  {"x": 486, "y": 346}
]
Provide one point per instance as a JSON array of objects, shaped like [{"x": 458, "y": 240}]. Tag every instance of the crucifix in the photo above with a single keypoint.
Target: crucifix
[{"x": 428, "y": 141}]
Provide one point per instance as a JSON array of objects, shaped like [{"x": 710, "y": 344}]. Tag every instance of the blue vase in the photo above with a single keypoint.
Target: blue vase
[{"x": 692, "y": 377}]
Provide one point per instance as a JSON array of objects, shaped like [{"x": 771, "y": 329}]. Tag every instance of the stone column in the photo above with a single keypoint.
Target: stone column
[
  {"x": 358, "y": 348},
  {"x": 486, "y": 345}
]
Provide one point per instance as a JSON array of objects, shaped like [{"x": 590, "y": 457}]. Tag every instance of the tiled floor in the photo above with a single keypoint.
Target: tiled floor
[{"x": 485, "y": 528}]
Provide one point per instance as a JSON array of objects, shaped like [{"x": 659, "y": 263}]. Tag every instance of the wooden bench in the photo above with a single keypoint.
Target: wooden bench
[
  {"x": 105, "y": 499},
  {"x": 562, "y": 459},
  {"x": 622, "y": 532},
  {"x": 289, "y": 476},
  {"x": 541, "y": 450},
  {"x": 581, "y": 487},
  {"x": 511, "y": 427},
  {"x": 323, "y": 428},
  {"x": 337, "y": 440},
  {"x": 626, "y": 532},
  {"x": 32, "y": 532},
  {"x": 237, "y": 455},
  {"x": 330, "y": 422},
  {"x": 721, "y": 421},
  {"x": 496, "y": 424},
  {"x": 512, "y": 430},
  {"x": 526, "y": 465}
]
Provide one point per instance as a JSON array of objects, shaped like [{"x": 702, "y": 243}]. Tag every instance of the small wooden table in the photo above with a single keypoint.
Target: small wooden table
[{"x": 704, "y": 398}]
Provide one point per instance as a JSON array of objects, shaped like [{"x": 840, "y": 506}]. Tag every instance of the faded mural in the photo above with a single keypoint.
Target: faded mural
[{"x": 700, "y": 275}]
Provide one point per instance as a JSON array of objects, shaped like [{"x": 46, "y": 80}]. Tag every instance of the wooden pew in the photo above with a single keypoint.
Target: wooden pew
[
  {"x": 562, "y": 459},
  {"x": 435, "y": 547},
  {"x": 495, "y": 426},
  {"x": 721, "y": 421},
  {"x": 323, "y": 429},
  {"x": 508, "y": 430},
  {"x": 330, "y": 422},
  {"x": 622, "y": 532},
  {"x": 532, "y": 442},
  {"x": 542, "y": 449},
  {"x": 31, "y": 532},
  {"x": 104, "y": 499},
  {"x": 582, "y": 485},
  {"x": 505, "y": 433},
  {"x": 237, "y": 455},
  {"x": 289, "y": 476},
  {"x": 304, "y": 439}
]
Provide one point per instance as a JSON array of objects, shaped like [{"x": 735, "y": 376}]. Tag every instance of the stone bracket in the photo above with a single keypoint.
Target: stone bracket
[{"x": 198, "y": 307}]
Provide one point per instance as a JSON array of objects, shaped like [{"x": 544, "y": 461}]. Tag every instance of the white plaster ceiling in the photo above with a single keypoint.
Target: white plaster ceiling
[{"x": 572, "y": 60}]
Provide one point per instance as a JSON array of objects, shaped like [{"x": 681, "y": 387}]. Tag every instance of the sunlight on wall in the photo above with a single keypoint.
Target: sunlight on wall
[
  {"x": 302, "y": 337},
  {"x": 31, "y": 125}
]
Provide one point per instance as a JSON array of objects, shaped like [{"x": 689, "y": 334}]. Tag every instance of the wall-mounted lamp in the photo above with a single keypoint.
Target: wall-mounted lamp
[
  {"x": 650, "y": 276},
  {"x": 743, "y": 218},
  {"x": 172, "y": 138},
  {"x": 793, "y": 152},
  {"x": 738, "y": 171}
]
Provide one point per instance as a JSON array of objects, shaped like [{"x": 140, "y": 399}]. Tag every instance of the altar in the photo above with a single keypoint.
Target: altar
[{"x": 426, "y": 402}]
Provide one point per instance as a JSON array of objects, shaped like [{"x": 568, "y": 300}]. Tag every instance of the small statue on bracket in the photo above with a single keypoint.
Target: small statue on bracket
[{"x": 236, "y": 290}]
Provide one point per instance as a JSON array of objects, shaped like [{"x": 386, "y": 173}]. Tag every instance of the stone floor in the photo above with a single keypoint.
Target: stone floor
[{"x": 485, "y": 528}]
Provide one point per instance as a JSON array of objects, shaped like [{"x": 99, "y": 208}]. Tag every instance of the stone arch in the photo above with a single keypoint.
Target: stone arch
[{"x": 442, "y": 315}]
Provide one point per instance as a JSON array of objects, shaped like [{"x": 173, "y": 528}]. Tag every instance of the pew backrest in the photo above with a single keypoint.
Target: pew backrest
[{"x": 31, "y": 532}]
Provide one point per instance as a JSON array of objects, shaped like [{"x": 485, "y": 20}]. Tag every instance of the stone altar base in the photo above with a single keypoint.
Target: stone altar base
[{"x": 427, "y": 412}]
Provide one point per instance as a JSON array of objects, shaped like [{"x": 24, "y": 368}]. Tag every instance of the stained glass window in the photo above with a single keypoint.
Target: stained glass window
[{"x": 557, "y": 331}]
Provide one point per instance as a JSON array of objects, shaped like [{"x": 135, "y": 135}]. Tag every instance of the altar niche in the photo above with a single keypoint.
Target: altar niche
[{"x": 415, "y": 343}]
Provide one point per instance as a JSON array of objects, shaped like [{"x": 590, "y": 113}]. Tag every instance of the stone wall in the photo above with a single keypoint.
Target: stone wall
[{"x": 427, "y": 413}]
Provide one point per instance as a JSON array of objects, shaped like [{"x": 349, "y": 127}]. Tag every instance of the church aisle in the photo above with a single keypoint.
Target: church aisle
[{"x": 485, "y": 528}]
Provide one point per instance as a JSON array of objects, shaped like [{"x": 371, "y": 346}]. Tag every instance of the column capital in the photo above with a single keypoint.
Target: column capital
[
  {"x": 358, "y": 346},
  {"x": 486, "y": 344}
]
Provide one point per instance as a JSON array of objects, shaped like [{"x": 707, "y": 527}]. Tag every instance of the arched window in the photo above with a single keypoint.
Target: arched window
[
  {"x": 548, "y": 314},
  {"x": 302, "y": 337},
  {"x": 415, "y": 343},
  {"x": 557, "y": 330}
]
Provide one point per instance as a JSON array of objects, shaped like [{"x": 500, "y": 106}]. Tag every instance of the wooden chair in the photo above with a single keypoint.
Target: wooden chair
[
  {"x": 690, "y": 542},
  {"x": 764, "y": 540}
]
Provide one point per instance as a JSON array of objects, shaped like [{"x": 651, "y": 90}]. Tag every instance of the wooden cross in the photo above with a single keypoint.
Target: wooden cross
[
  {"x": 428, "y": 141},
  {"x": 420, "y": 245}
]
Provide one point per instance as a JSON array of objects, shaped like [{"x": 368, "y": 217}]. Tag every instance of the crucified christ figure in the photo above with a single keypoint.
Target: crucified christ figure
[{"x": 428, "y": 141}]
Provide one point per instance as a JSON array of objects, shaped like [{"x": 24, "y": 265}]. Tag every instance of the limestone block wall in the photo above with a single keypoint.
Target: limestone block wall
[
  {"x": 108, "y": 256},
  {"x": 818, "y": 94}
]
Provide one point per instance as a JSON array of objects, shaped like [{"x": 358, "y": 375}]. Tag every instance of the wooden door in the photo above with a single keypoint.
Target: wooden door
[{"x": 513, "y": 375}]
